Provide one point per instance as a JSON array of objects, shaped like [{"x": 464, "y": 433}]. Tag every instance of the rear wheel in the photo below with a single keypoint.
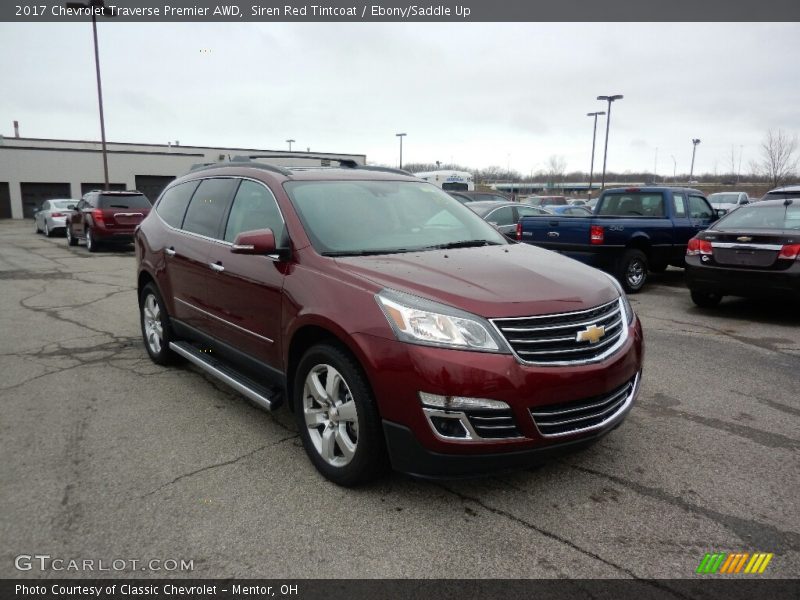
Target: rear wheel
[
  {"x": 91, "y": 244},
  {"x": 632, "y": 270},
  {"x": 47, "y": 231},
  {"x": 71, "y": 240},
  {"x": 156, "y": 329},
  {"x": 705, "y": 299},
  {"x": 337, "y": 417}
]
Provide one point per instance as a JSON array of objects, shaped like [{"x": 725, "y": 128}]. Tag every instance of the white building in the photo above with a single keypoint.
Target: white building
[{"x": 33, "y": 170}]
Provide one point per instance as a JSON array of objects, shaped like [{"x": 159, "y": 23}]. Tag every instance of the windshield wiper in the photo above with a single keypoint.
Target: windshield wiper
[
  {"x": 365, "y": 252},
  {"x": 462, "y": 244}
]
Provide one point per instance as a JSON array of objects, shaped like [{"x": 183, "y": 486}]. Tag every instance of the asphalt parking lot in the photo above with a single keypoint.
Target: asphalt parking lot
[{"x": 106, "y": 455}]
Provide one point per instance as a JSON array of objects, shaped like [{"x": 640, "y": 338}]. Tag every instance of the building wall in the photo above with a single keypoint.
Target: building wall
[{"x": 29, "y": 160}]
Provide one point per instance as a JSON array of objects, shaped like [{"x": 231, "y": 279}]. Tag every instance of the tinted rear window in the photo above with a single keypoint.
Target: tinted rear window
[
  {"x": 633, "y": 204},
  {"x": 126, "y": 201},
  {"x": 762, "y": 217}
]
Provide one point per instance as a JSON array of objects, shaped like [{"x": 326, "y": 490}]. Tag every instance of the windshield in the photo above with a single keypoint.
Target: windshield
[
  {"x": 724, "y": 198},
  {"x": 383, "y": 217},
  {"x": 124, "y": 201},
  {"x": 776, "y": 216}
]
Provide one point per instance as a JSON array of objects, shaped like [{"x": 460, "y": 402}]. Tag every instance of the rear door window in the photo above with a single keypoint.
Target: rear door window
[
  {"x": 501, "y": 216},
  {"x": 633, "y": 204},
  {"x": 208, "y": 207},
  {"x": 679, "y": 205},
  {"x": 173, "y": 203}
]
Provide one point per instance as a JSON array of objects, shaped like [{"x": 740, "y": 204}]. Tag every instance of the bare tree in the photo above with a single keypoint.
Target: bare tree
[
  {"x": 778, "y": 159},
  {"x": 556, "y": 167}
]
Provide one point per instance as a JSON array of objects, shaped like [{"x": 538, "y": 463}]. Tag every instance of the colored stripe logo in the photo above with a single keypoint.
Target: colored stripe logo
[{"x": 732, "y": 563}]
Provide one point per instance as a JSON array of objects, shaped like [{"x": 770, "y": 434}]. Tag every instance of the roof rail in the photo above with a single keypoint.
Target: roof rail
[
  {"x": 343, "y": 162},
  {"x": 243, "y": 161},
  {"x": 385, "y": 170}
]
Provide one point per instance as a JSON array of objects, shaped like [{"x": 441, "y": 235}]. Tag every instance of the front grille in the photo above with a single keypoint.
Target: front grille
[
  {"x": 493, "y": 424},
  {"x": 554, "y": 338},
  {"x": 591, "y": 413}
]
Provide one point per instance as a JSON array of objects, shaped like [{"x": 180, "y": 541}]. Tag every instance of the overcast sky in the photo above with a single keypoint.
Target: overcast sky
[{"x": 477, "y": 94}]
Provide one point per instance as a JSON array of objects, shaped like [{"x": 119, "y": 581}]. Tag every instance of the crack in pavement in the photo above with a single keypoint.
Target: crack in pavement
[
  {"x": 754, "y": 533},
  {"x": 562, "y": 540},
  {"x": 785, "y": 408},
  {"x": 767, "y": 439},
  {"x": 220, "y": 464}
]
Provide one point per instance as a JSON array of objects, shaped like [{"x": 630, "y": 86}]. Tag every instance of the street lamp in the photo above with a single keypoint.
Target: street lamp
[
  {"x": 290, "y": 144},
  {"x": 594, "y": 137},
  {"x": 401, "y": 136},
  {"x": 94, "y": 6},
  {"x": 695, "y": 141},
  {"x": 608, "y": 99},
  {"x": 674, "y": 168}
]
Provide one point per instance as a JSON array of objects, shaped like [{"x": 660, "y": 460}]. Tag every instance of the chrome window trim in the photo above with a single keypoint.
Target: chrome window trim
[
  {"x": 605, "y": 422},
  {"x": 234, "y": 325},
  {"x": 205, "y": 237},
  {"x": 625, "y": 334}
]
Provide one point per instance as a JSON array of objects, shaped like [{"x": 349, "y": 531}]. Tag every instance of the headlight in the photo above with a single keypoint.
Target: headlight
[
  {"x": 625, "y": 302},
  {"x": 420, "y": 321}
]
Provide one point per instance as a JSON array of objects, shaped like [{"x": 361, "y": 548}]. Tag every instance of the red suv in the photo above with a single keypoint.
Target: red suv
[
  {"x": 400, "y": 326},
  {"x": 106, "y": 217}
]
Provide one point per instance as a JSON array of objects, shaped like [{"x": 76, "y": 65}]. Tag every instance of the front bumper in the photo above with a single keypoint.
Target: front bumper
[
  {"x": 399, "y": 371},
  {"x": 748, "y": 283}
]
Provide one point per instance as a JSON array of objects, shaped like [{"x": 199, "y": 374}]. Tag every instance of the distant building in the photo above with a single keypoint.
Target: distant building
[{"x": 33, "y": 170}]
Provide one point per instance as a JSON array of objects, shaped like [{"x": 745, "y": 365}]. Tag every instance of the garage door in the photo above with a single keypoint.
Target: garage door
[
  {"x": 151, "y": 185},
  {"x": 33, "y": 194},
  {"x": 5, "y": 201},
  {"x": 88, "y": 187}
]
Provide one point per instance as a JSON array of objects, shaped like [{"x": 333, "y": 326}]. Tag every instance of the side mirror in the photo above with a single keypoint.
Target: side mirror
[
  {"x": 70, "y": 207},
  {"x": 720, "y": 212},
  {"x": 258, "y": 242}
]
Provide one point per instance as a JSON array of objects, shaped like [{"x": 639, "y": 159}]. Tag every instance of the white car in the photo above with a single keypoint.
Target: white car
[
  {"x": 728, "y": 201},
  {"x": 52, "y": 216}
]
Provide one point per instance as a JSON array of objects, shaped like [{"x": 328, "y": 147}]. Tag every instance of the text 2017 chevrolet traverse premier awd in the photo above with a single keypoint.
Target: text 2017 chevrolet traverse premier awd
[{"x": 401, "y": 327}]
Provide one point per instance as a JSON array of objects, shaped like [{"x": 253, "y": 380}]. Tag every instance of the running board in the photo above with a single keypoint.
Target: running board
[{"x": 264, "y": 396}]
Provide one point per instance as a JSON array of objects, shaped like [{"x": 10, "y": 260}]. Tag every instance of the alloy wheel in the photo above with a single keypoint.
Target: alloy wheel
[
  {"x": 154, "y": 333},
  {"x": 331, "y": 415}
]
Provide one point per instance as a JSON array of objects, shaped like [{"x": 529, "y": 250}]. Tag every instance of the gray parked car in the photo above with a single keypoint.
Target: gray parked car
[
  {"x": 728, "y": 201},
  {"x": 51, "y": 217}
]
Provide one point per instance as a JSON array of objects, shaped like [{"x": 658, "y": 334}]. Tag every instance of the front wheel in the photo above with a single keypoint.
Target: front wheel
[
  {"x": 36, "y": 226},
  {"x": 337, "y": 417},
  {"x": 47, "y": 231},
  {"x": 705, "y": 299},
  {"x": 156, "y": 329},
  {"x": 632, "y": 270}
]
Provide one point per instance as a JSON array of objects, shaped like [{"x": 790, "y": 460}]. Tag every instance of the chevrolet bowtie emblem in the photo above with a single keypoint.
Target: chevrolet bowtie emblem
[
  {"x": 591, "y": 334},
  {"x": 744, "y": 238}
]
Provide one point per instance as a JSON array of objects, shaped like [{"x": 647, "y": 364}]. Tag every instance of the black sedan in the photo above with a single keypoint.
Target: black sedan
[
  {"x": 505, "y": 215},
  {"x": 753, "y": 252}
]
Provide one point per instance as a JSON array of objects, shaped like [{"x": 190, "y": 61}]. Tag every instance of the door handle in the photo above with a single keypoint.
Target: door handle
[
  {"x": 216, "y": 267},
  {"x": 169, "y": 251}
]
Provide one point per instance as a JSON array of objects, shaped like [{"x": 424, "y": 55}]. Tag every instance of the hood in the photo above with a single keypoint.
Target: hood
[{"x": 491, "y": 281}]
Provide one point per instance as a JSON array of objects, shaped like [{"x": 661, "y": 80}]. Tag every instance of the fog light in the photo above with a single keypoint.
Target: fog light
[
  {"x": 460, "y": 402},
  {"x": 449, "y": 427}
]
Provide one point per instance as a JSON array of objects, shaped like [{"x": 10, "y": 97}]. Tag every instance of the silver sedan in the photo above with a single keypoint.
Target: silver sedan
[{"x": 52, "y": 216}]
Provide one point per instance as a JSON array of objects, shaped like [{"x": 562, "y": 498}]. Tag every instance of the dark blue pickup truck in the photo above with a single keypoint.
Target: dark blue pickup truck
[{"x": 632, "y": 231}]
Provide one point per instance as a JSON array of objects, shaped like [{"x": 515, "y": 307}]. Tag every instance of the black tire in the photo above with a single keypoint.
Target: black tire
[
  {"x": 71, "y": 240},
  {"x": 159, "y": 353},
  {"x": 632, "y": 270},
  {"x": 92, "y": 245},
  {"x": 47, "y": 231},
  {"x": 369, "y": 459},
  {"x": 705, "y": 299}
]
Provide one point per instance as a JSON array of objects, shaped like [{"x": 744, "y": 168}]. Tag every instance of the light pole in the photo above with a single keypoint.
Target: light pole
[
  {"x": 674, "y": 168},
  {"x": 739, "y": 172},
  {"x": 608, "y": 99},
  {"x": 401, "y": 136},
  {"x": 655, "y": 167},
  {"x": 695, "y": 141},
  {"x": 290, "y": 142},
  {"x": 594, "y": 137},
  {"x": 93, "y": 6}
]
